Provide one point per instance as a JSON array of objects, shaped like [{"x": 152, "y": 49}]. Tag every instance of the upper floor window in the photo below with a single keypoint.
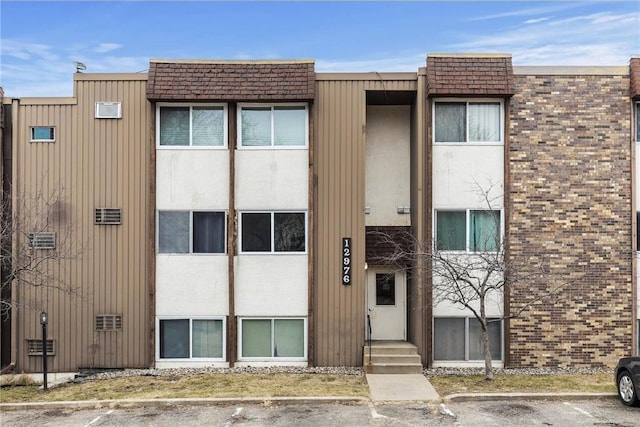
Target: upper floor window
[
  {"x": 470, "y": 230},
  {"x": 43, "y": 134},
  {"x": 273, "y": 125},
  {"x": 471, "y": 121},
  {"x": 273, "y": 231},
  {"x": 191, "y": 232},
  {"x": 192, "y": 126}
]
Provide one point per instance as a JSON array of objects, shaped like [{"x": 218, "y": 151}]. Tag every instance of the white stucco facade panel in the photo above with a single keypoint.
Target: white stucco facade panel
[
  {"x": 461, "y": 170},
  {"x": 271, "y": 285},
  {"x": 388, "y": 165},
  {"x": 272, "y": 179},
  {"x": 192, "y": 179},
  {"x": 192, "y": 285}
]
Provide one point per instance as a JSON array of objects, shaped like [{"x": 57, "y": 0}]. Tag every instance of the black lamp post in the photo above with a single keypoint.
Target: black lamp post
[{"x": 43, "y": 322}]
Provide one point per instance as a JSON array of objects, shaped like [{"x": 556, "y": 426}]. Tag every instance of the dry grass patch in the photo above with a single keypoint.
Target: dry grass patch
[
  {"x": 205, "y": 385},
  {"x": 567, "y": 383}
]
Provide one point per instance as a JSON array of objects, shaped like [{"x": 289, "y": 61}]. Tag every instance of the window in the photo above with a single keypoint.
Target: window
[
  {"x": 459, "y": 338},
  {"x": 273, "y": 338},
  {"x": 191, "y": 338},
  {"x": 385, "y": 289},
  {"x": 43, "y": 134},
  {"x": 467, "y": 121},
  {"x": 192, "y": 126},
  {"x": 273, "y": 231},
  {"x": 184, "y": 232},
  {"x": 269, "y": 126},
  {"x": 470, "y": 230},
  {"x": 42, "y": 240}
]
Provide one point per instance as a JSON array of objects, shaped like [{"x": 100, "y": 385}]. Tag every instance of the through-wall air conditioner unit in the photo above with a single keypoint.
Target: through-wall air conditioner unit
[{"x": 108, "y": 110}]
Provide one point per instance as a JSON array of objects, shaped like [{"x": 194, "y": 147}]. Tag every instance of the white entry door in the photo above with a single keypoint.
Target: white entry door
[{"x": 387, "y": 304}]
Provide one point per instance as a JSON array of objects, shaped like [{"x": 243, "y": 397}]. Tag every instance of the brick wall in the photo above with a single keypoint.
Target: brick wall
[
  {"x": 231, "y": 81},
  {"x": 634, "y": 71},
  {"x": 570, "y": 208}
]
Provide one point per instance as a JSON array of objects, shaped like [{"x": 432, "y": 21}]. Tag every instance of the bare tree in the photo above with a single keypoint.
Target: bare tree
[
  {"x": 472, "y": 269},
  {"x": 35, "y": 245}
]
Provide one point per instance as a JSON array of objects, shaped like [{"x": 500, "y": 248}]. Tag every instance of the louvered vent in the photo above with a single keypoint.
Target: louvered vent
[
  {"x": 109, "y": 322},
  {"x": 108, "y": 110},
  {"x": 34, "y": 348},
  {"x": 42, "y": 240},
  {"x": 108, "y": 216}
]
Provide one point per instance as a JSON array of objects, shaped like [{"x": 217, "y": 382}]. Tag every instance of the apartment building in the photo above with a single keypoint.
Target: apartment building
[{"x": 243, "y": 213}]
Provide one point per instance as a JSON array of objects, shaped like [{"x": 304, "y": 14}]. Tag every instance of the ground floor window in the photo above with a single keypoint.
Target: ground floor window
[
  {"x": 191, "y": 338},
  {"x": 273, "y": 338},
  {"x": 460, "y": 339}
]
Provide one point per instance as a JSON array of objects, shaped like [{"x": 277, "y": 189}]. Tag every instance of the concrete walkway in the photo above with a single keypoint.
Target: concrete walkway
[{"x": 400, "y": 388}]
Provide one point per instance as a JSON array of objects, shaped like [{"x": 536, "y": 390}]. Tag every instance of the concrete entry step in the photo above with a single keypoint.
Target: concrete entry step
[{"x": 392, "y": 357}]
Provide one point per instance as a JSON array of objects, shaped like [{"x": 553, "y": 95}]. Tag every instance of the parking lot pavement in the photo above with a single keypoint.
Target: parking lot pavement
[{"x": 593, "y": 412}]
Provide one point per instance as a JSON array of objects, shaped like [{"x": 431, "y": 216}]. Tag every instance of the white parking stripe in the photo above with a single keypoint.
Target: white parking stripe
[
  {"x": 582, "y": 411},
  {"x": 96, "y": 419}
]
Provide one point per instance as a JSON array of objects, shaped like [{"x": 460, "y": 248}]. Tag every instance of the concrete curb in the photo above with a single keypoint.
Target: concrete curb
[
  {"x": 478, "y": 397},
  {"x": 140, "y": 403}
]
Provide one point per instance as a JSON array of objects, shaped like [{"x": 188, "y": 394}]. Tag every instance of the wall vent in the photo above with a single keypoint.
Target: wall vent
[
  {"x": 34, "y": 348},
  {"x": 109, "y": 322},
  {"x": 42, "y": 240},
  {"x": 108, "y": 110},
  {"x": 108, "y": 216}
]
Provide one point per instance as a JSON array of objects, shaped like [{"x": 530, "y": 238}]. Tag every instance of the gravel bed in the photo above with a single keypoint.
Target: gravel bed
[
  {"x": 434, "y": 372},
  {"x": 183, "y": 372}
]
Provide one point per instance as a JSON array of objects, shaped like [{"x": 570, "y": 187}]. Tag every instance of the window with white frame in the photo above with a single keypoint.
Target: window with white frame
[
  {"x": 273, "y": 338},
  {"x": 181, "y": 232},
  {"x": 468, "y": 121},
  {"x": 273, "y": 125},
  {"x": 273, "y": 231},
  {"x": 460, "y": 339},
  {"x": 468, "y": 230},
  {"x": 186, "y": 338},
  {"x": 192, "y": 126},
  {"x": 43, "y": 134}
]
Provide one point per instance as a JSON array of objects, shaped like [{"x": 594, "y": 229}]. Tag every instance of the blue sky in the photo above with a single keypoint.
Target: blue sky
[{"x": 41, "y": 40}]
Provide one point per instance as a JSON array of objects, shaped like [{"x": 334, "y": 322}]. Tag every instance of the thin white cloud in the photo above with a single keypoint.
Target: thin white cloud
[
  {"x": 603, "y": 38},
  {"x": 541, "y": 10},
  {"x": 107, "y": 47},
  {"x": 408, "y": 62},
  {"x": 535, "y": 21}
]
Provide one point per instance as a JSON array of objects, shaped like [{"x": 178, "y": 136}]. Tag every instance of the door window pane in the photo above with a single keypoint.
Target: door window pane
[
  {"x": 174, "y": 338},
  {"x": 385, "y": 289},
  {"x": 173, "y": 232},
  {"x": 256, "y": 338},
  {"x": 476, "y": 351},
  {"x": 208, "y": 232},
  {"x": 448, "y": 338},
  {"x": 42, "y": 133},
  {"x": 484, "y": 122},
  {"x": 450, "y": 121},
  {"x": 484, "y": 229},
  {"x": 289, "y": 125},
  {"x": 207, "y": 338},
  {"x": 256, "y": 126},
  {"x": 256, "y": 232},
  {"x": 289, "y": 232},
  {"x": 289, "y": 338},
  {"x": 451, "y": 230},
  {"x": 208, "y": 126},
  {"x": 174, "y": 126}
]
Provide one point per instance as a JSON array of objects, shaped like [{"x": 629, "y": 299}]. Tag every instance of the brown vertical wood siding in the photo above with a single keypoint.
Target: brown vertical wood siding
[
  {"x": 97, "y": 163},
  {"x": 339, "y": 126}
]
